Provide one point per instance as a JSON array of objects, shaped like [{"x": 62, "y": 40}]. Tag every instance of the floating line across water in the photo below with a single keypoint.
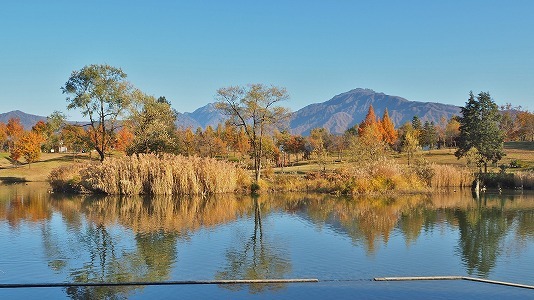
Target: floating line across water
[
  {"x": 518, "y": 285},
  {"x": 252, "y": 281},
  {"x": 146, "y": 283}
]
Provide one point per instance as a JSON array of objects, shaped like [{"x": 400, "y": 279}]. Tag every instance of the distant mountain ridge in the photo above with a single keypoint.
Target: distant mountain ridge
[
  {"x": 348, "y": 109},
  {"x": 337, "y": 114},
  {"x": 27, "y": 120},
  {"x": 203, "y": 117}
]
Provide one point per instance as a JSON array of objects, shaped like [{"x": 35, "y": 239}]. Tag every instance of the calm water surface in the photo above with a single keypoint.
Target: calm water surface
[{"x": 342, "y": 242}]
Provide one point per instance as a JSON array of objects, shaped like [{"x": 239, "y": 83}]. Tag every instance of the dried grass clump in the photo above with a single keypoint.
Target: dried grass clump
[
  {"x": 157, "y": 175},
  {"x": 450, "y": 176},
  {"x": 377, "y": 177}
]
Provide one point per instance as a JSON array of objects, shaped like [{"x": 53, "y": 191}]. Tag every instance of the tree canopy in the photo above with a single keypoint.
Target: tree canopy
[
  {"x": 254, "y": 108},
  {"x": 479, "y": 129},
  {"x": 101, "y": 93},
  {"x": 152, "y": 125}
]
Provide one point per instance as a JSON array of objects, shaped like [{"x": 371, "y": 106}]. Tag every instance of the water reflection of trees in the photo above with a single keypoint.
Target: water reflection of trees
[
  {"x": 19, "y": 204},
  {"x": 256, "y": 258},
  {"x": 159, "y": 223}
]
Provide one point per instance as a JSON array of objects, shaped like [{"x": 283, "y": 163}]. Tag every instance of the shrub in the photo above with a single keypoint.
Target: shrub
[
  {"x": 67, "y": 179},
  {"x": 495, "y": 180},
  {"x": 524, "y": 180}
]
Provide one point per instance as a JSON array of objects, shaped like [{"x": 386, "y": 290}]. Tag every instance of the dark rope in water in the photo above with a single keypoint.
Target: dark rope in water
[
  {"x": 147, "y": 283},
  {"x": 253, "y": 281}
]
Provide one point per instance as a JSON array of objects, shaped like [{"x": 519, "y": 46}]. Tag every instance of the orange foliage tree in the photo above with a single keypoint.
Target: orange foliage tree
[
  {"x": 13, "y": 129},
  {"x": 28, "y": 146},
  {"x": 370, "y": 120},
  {"x": 3, "y": 135},
  {"x": 389, "y": 134},
  {"x": 124, "y": 139}
]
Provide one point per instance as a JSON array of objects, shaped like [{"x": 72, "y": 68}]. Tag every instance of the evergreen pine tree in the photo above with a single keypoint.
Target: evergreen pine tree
[{"x": 479, "y": 129}]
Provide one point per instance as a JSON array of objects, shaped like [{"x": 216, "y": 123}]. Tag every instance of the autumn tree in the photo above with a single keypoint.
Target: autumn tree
[
  {"x": 229, "y": 135},
  {"x": 452, "y": 131},
  {"x": 390, "y": 135},
  {"x": 3, "y": 136},
  {"x": 370, "y": 120},
  {"x": 123, "y": 139},
  {"x": 338, "y": 144},
  {"x": 40, "y": 128},
  {"x": 368, "y": 145},
  {"x": 74, "y": 138},
  {"x": 101, "y": 93},
  {"x": 14, "y": 130},
  {"x": 187, "y": 141},
  {"x": 254, "y": 108},
  {"x": 440, "y": 128},
  {"x": 526, "y": 126},
  {"x": 295, "y": 144},
  {"x": 28, "y": 146},
  {"x": 409, "y": 141},
  {"x": 320, "y": 141},
  {"x": 479, "y": 129},
  {"x": 208, "y": 143}
]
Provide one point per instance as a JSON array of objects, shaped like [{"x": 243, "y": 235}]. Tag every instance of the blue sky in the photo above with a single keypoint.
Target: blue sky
[{"x": 421, "y": 50}]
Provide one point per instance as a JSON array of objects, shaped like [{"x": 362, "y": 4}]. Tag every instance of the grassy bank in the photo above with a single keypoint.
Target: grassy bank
[
  {"x": 380, "y": 177},
  {"x": 37, "y": 171},
  {"x": 441, "y": 170}
]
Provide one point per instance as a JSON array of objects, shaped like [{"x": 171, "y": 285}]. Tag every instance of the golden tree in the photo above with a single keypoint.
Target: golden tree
[
  {"x": 124, "y": 139},
  {"x": 389, "y": 134},
  {"x": 369, "y": 120},
  {"x": 3, "y": 135},
  {"x": 28, "y": 146},
  {"x": 13, "y": 129}
]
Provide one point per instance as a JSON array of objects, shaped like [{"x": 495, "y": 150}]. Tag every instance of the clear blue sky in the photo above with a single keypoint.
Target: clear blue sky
[{"x": 421, "y": 50}]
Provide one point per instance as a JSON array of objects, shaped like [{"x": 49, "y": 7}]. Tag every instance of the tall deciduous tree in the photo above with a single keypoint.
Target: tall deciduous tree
[
  {"x": 255, "y": 109},
  {"x": 153, "y": 125},
  {"x": 479, "y": 129},
  {"x": 101, "y": 93}
]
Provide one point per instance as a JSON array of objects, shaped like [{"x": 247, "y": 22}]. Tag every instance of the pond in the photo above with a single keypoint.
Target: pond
[{"x": 343, "y": 242}]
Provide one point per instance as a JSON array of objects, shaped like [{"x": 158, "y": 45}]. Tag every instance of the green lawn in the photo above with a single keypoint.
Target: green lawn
[
  {"x": 522, "y": 152},
  {"x": 37, "y": 171}
]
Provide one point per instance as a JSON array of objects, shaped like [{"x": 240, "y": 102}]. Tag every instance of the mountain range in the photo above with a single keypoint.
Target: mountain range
[{"x": 337, "y": 114}]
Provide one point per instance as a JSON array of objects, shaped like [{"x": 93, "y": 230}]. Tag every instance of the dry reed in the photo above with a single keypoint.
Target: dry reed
[
  {"x": 445, "y": 176},
  {"x": 150, "y": 174}
]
